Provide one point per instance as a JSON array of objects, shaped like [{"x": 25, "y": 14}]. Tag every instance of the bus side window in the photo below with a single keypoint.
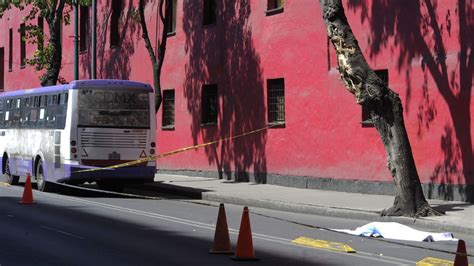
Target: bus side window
[
  {"x": 63, "y": 99},
  {"x": 24, "y": 112}
]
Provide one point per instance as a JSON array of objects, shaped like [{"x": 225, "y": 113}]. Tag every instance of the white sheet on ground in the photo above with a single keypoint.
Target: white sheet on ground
[{"x": 397, "y": 231}]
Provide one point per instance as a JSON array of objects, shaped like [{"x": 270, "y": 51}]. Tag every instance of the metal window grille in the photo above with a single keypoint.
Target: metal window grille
[
  {"x": 276, "y": 100},
  {"x": 168, "y": 109},
  {"x": 209, "y": 12},
  {"x": 366, "y": 120},
  {"x": 209, "y": 104}
]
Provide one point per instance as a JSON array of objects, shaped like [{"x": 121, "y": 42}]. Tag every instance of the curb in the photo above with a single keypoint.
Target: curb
[{"x": 307, "y": 208}]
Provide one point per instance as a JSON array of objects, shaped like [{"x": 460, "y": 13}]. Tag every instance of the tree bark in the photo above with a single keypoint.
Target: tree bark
[
  {"x": 156, "y": 61},
  {"x": 54, "y": 20},
  {"x": 385, "y": 109}
]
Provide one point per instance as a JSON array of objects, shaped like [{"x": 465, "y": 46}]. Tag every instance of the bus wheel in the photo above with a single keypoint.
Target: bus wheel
[
  {"x": 11, "y": 179},
  {"x": 42, "y": 184}
]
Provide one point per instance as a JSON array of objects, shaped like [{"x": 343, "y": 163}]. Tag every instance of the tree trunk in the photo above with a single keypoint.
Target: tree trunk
[
  {"x": 385, "y": 109},
  {"x": 51, "y": 76},
  {"x": 157, "y": 63}
]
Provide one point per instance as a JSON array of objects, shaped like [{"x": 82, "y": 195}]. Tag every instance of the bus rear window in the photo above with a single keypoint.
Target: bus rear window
[{"x": 114, "y": 108}]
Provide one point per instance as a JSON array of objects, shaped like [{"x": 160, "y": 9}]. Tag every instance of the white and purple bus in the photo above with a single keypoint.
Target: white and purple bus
[{"x": 55, "y": 132}]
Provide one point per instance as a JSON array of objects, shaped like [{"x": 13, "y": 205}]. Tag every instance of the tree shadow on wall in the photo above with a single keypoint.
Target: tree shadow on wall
[
  {"x": 224, "y": 54},
  {"x": 114, "y": 62},
  {"x": 420, "y": 31}
]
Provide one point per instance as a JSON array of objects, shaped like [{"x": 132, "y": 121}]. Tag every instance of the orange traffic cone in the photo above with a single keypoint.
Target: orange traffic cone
[
  {"x": 221, "y": 236},
  {"x": 27, "y": 192},
  {"x": 461, "y": 254},
  {"x": 244, "y": 249}
]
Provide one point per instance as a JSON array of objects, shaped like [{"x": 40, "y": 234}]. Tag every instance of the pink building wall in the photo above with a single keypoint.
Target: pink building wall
[{"x": 424, "y": 45}]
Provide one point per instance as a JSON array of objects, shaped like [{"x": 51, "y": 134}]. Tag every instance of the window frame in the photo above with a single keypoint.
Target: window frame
[
  {"x": 276, "y": 86},
  {"x": 115, "y": 17},
  {"x": 276, "y": 8},
  {"x": 209, "y": 105},
  {"x": 10, "y": 50},
  {"x": 209, "y": 13},
  {"x": 169, "y": 96},
  {"x": 22, "y": 31},
  {"x": 84, "y": 29},
  {"x": 170, "y": 27}
]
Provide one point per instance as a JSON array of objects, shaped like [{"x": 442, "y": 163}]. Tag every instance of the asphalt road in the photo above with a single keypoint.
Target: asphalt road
[{"x": 84, "y": 228}]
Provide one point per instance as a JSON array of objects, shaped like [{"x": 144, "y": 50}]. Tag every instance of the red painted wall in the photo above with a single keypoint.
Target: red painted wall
[{"x": 424, "y": 45}]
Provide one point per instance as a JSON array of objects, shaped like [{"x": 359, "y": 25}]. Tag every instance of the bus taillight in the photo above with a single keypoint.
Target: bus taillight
[
  {"x": 153, "y": 144},
  {"x": 73, "y": 143}
]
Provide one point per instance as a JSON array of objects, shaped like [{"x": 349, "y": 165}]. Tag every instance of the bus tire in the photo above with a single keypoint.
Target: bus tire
[
  {"x": 10, "y": 179},
  {"x": 41, "y": 183}
]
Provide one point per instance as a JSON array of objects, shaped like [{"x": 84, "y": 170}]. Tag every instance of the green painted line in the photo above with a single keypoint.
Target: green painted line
[
  {"x": 323, "y": 244},
  {"x": 429, "y": 261}
]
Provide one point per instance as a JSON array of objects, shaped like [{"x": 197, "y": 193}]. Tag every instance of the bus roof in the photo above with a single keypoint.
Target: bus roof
[{"x": 78, "y": 84}]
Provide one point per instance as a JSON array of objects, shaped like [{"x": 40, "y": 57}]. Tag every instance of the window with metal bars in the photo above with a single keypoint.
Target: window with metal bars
[
  {"x": 117, "y": 6},
  {"x": 209, "y": 12},
  {"x": 22, "y": 45},
  {"x": 170, "y": 26},
  {"x": 41, "y": 37},
  {"x": 167, "y": 121},
  {"x": 274, "y": 7},
  {"x": 366, "y": 120},
  {"x": 10, "y": 50},
  {"x": 2, "y": 69},
  {"x": 276, "y": 101},
  {"x": 84, "y": 28},
  {"x": 210, "y": 104}
]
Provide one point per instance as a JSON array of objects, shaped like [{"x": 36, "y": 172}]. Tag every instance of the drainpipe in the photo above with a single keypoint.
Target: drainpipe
[
  {"x": 76, "y": 40},
  {"x": 94, "y": 39}
]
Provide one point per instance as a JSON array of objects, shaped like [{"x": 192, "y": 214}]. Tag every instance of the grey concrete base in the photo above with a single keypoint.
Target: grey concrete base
[{"x": 432, "y": 191}]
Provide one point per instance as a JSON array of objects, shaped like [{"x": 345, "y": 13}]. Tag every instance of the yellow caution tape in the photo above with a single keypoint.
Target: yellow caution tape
[
  {"x": 429, "y": 261},
  {"x": 166, "y": 154},
  {"x": 323, "y": 244}
]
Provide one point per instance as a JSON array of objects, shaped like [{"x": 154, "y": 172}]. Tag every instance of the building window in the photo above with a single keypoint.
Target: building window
[
  {"x": 22, "y": 45},
  {"x": 168, "y": 109},
  {"x": 41, "y": 37},
  {"x": 274, "y": 7},
  {"x": 210, "y": 104},
  {"x": 209, "y": 12},
  {"x": 171, "y": 17},
  {"x": 84, "y": 30},
  {"x": 10, "y": 50},
  {"x": 2, "y": 69},
  {"x": 114, "y": 23},
  {"x": 366, "y": 120},
  {"x": 276, "y": 101}
]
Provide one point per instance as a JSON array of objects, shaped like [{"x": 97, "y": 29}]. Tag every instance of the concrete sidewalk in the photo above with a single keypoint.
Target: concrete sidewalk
[{"x": 459, "y": 215}]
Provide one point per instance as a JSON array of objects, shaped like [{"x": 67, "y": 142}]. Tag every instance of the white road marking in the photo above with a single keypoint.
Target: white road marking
[{"x": 61, "y": 232}]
